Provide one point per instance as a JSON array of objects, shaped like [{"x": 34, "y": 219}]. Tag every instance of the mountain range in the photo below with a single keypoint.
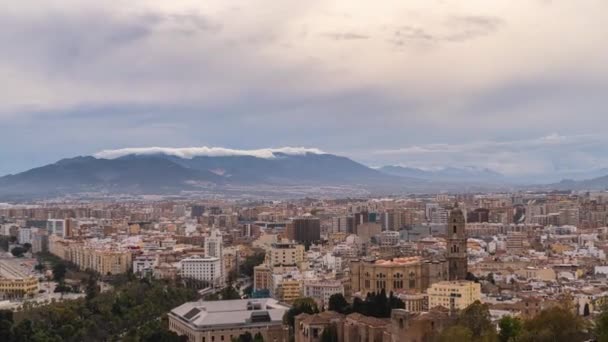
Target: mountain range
[{"x": 170, "y": 174}]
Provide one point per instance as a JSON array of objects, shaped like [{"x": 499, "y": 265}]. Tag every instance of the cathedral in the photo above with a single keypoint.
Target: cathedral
[{"x": 456, "y": 245}]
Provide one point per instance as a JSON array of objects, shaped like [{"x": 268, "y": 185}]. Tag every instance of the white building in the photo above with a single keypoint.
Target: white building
[
  {"x": 56, "y": 227},
  {"x": 207, "y": 269},
  {"x": 214, "y": 249},
  {"x": 25, "y": 235},
  {"x": 142, "y": 263},
  {"x": 322, "y": 290}
]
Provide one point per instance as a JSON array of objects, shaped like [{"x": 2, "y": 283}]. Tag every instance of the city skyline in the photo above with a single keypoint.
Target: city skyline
[{"x": 422, "y": 84}]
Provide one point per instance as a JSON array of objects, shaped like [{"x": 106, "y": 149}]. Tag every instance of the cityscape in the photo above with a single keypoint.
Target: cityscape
[{"x": 304, "y": 171}]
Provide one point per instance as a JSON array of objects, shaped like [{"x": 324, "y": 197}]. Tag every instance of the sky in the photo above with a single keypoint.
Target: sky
[{"x": 515, "y": 86}]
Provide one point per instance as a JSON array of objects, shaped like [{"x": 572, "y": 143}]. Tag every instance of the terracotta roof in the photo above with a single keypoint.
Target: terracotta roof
[{"x": 368, "y": 320}]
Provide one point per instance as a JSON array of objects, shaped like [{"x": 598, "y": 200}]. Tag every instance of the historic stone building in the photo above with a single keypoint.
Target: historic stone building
[
  {"x": 409, "y": 274},
  {"x": 457, "y": 245},
  {"x": 403, "y": 326}
]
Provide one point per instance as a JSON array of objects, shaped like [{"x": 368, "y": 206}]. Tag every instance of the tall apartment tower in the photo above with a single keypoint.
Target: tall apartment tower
[
  {"x": 214, "y": 248},
  {"x": 457, "y": 245}
]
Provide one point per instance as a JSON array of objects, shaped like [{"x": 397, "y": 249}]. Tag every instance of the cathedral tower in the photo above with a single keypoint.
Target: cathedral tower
[{"x": 457, "y": 245}]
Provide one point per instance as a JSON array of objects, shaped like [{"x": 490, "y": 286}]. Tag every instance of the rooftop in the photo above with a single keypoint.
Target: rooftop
[{"x": 244, "y": 312}]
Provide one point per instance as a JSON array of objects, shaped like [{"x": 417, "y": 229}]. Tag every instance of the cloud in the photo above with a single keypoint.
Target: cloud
[
  {"x": 542, "y": 156},
  {"x": 455, "y": 29},
  {"x": 345, "y": 36},
  {"x": 191, "y": 152}
]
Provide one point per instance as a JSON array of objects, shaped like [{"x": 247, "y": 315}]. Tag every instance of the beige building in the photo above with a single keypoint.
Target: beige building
[
  {"x": 286, "y": 254},
  {"x": 101, "y": 259},
  {"x": 262, "y": 277},
  {"x": 15, "y": 284},
  {"x": 409, "y": 274},
  {"x": 544, "y": 274},
  {"x": 224, "y": 320},
  {"x": 456, "y": 295}
]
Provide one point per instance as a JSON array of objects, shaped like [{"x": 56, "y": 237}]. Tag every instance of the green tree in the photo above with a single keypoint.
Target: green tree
[
  {"x": 556, "y": 324},
  {"x": 476, "y": 317},
  {"x": 92, "y": 289},
  {"x": 338, "y": 303},
  {"x": 6, "y": 325},
  {"x": 258, "y": 338},
  {"x": 251, "y": 262},
  {"x": 456, "y": 333},
  {"x": 18, "y": 251},
  {"x": 601, "y": 325},
  {"x": 300, "y": 305},
  {"x": 510, "y": 329},
  {"x": 59, "y": 271}
]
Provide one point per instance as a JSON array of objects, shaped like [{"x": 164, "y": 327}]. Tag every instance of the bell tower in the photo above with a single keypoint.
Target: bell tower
[{"x": 457, "y": 245}]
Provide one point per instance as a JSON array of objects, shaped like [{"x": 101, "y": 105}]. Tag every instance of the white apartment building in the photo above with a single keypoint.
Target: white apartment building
[
  {"x": 207, "y": 269},
  {"x": 142, "y": 263},
  {"x": 25, "y": 235},
  {"x": 322, "y": 290},
  {"x": 56, "y": 227}
]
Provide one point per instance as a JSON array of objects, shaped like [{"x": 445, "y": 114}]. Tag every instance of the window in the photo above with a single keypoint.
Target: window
[{"x": 455, "y": 229}]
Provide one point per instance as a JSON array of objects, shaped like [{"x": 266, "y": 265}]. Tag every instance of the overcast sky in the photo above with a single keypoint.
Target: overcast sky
[{"x": 516, "y": 86}]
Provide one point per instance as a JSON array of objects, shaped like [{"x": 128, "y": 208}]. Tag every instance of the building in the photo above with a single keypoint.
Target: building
[
  {"x": 409, "y": 274},
  {"x": 56, "y": 227},
  {"x": 366, "y": 231},
  {"x": 224, "y": 320},
  {"x": 25, "y": 235},
  {"x": 304, "y": 230},
  {"x": 214, "y": 249},
  {"x": 197, "y": 211},
  {"x": 103, "y": 259},
  {"x": 343, "y": 224},
  {"x": 15, "y": 283},
  {"x": 262, "y": 277},
  {"x": 286, "y": 289},
  {"x": 403, "y": 326},
  {"x": 454, "y": 295},
  {"x": 143, "y": 263},
  {"x": 207, "y": 269},
  {"x": 457, "y": 245},
  {"x": 515, "y": 242},
  {"x": 322, "y": 290},
  {"x": 286, "y": 254}
]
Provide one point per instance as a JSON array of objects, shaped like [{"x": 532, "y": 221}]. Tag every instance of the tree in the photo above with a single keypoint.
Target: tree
[
  {"x": 59, "y": 271},
  {"x": 556, "y": 324},
  {"x": 338, "y": 303},
  {"x": 510, "y": 329},
  {"x": 6, "y": 324},
  {"x": 251, "y": 262},
  {"x": 258, "y": 338},
  {"x": 18, "y": 251},
  {"x": 27, "y": 246},
  {"x": 92, "y": 289},
  {"x": 476, "y": 317},
  {"x": 456, "y": 333},
  {"x": 601, "y": 325},
  {"x": 300, "y": 305}
]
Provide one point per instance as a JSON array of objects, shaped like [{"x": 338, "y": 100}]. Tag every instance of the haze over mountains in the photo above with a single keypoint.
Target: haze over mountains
[{"x": 171, "y": 171}]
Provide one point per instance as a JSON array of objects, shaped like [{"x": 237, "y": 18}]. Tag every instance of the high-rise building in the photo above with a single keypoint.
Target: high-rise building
[
  {"x": 197, "y": 211},
  {"x": 457, "y": 245},
  {"x": 214, "y": 249},
  {"x": 305, "y": 230},
  {"x": 56, "y": 227}
]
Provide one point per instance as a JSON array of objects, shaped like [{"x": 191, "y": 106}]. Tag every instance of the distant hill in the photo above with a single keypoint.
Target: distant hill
[
  {"x": 163, "y": 174},
  {"x": 449, "y": 174}
]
